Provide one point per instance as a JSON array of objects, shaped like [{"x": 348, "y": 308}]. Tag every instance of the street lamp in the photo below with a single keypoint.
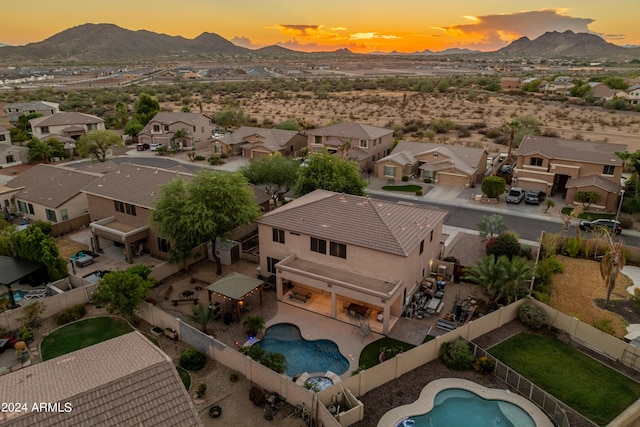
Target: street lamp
[{"x": 620, "y": 204}]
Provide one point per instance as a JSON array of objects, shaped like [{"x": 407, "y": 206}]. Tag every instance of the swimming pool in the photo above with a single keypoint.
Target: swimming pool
[
  {"x": 17, "y": 295},
  {"x": 457, "y": 407},
  {"x": 457, "y": 402},
  {"x": 302, "y": 355}
]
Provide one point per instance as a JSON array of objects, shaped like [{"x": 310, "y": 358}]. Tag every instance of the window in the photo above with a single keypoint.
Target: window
[
  {"x": 3, "y": 137},
  {"x": 317, "y": 140},
  {"x": 363, "y": 143},
  {"x": 278, "y": 235},
  {"x": 125, "y": 208},
  {"x": 318, "y": 245},
  {"x": 22, "y": 206},
  {"x": 536, "y": 161},
  {"x": 164, "y": 245},
  {"x": 51, "y": 215},
  {"x": 10, "y": 158},
  {"x": 608, "y": 170},
  {"x": 44, "y": 129},
  {"x": 390, "y": 171},
  {"x": 421, "y": 247},
  {"x": 218, "y": 149},
  {"x": 338, "y": 249},
  {"x": 64, "y": 214},
  {"x": 271, "y": 265},
  {"x": 431, "y": 236},
  {"x": 92, "y": 126},
  {"x": 166, "y": 128},
  {"x": 201, "y": 129},
  {"x": 156, "y": 128}
]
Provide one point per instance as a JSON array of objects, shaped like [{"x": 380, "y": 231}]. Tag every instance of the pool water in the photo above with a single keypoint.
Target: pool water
[
  {"x": 456, "y": 407},
  {"x": 302, "y": 355},
  {"x": 318, "y": 383},
  {"x": 17, "y": 295}
]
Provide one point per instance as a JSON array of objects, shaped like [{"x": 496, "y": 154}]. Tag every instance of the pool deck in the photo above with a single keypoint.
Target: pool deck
[{"x": 424, "y": 403}]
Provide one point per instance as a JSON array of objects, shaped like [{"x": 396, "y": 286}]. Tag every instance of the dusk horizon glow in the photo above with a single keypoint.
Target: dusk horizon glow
[{"x": 360, "y": 26}]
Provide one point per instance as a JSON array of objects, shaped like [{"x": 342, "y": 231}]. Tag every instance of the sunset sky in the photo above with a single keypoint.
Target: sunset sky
[{"x": 360, "y": 25}]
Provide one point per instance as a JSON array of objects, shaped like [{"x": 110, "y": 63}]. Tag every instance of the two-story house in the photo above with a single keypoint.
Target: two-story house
[
  {"x": 555, "y": 165},
  {"x": 254, "y": 141},
  {"x": 50, "y": 193},
  {"x": 11, "y": 155},
  {"x": 65, "y": 127},
  {"x": 365, "y": 144},
  {"x": 347, "y": 249},
  {"x": 444, "y": 164},
  {"x": 45, "y": 108},
  {"x": 184, "y": 131},
  {"x": 633, "y": 94}
]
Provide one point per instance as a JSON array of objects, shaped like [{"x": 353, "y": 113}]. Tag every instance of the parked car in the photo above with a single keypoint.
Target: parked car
[
  {"x": 535, "y": 197},
  {"x": 142, "y": 147},
  {"x": 156, "y": 146},
  {"x": 515, "y": 195},
  {"x": 611, "y": 225}
]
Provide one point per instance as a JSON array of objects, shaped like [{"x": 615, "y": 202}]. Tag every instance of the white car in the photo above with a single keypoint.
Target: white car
[{"x": 156, "y": 146}]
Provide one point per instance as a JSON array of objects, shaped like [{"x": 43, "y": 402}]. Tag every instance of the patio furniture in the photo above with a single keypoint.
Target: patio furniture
[
  {"x": 299, "y": 296},
  {"x": 84, "y": 260},
  {"x": 432, "y": 305},
  {"x": 447, "y": 325},
  {"x": 176, "y": 301},
  {"x": 361, "y": 311},
  {"x": 36, "y": 293}
]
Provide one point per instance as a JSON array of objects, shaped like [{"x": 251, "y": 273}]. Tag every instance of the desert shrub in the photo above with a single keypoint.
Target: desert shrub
[
  {"x": 419, "y": 193},
  {"x": 71, "y": 314},
  {"x": 484, "y": 365},
  {"x": 427, "y": 180},
  {"x": 405, "y": 178},
  {"x": 505, "y": 244},
  {"x": 201, "y": 390},
  {"x": 199, "y": 158},
  {"x": 457, "y": 355},
  {"x": 572, "y": 247},
  {"x": 192, "y": 360},
  {"x": 545, "y": 270},
  {"x": 605, "y": 325},
  {"x": 44, "y": 226},
  {"x": 215, "y": 160},
  {"x": 442, "y": 125},
  {"x": 257, "y": 396},
  {"x": 532, "y": 316}
]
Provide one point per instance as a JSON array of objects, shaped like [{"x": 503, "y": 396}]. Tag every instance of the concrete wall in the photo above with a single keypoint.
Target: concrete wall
[{"x": 64, "y": 227}]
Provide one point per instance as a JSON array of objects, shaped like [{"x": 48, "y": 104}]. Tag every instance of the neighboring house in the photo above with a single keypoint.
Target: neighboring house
[
  {"x": 254, "y": 142},
  {"x": 11, "y": 155},
  {"x": 162, "y": 129},
  {"x": 444, "y": 164},
  {"x": 344, "y": 248},
  {"x": 65, "y": 127},
  {"x": 50, "y": 193},
  {"x": 561, "y": 85},
  {"x": 120, "y": 207},
  {"x": 365, "y": 144},
  {"x": 510, "y": 83},
  {"x": 634, "y": 94},
  {"x": 123, "y": 381},
  {"x": 602, "y": 91},
  {"x": 14, "y": 111},
  {"x": 555, "y": 165}
]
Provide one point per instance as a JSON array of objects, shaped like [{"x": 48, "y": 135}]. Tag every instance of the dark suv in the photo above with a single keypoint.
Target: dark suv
[
  {"x": 611, "y": 225},
  {"x": 535, "y": 197}
]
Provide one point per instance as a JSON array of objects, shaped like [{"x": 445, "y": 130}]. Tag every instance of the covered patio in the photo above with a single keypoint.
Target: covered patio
[
  {"x": 236, "y": 287},
  {"x": 13, "y": 270}
]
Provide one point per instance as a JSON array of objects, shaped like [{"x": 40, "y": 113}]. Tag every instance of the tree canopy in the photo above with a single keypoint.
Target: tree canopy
[
  {"x": 98, "y": 144},
  {"x": 206, "y": 208},
  {"x": 275, "y": 173},
  {"x": 332, "y": 173},
  {"x": 493, "y": 186},
  {"x": 490, "y": 226},
  {"x": 121, "y": 292},
  {"x": 146, "y": 107}
]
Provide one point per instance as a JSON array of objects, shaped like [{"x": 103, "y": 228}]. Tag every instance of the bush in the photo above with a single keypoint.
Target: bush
[
  {"x": 572, "y": 247},
  {"x": 532, "y": 316},
  {"x": 257, "y": 396},
  {"x": 201, "y": 390},
  {"x": 457, "y": 355},
  {"x": 192, "y": 360},
  {"x": 199, "y": 158},
  {"x": 419, "y": 193},
  {"x": 71, "y": 314},
  {"x": 427, "y": 180},
  {"x": 405, "y": 178},
  {"x": 605, "y": 325},
  {"x": 505, "y": 244},
  {"x": 215, "y": 160},
  {"x": 484, "y": 365}
]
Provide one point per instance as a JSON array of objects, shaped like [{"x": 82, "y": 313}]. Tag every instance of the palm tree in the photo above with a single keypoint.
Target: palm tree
[
  {"x": 549, "y": 204},
  {"x": 487, "y": 275},
  {"x": 180, "y": 135},
  {"x": 517, "y": 272},
  {"x": 611, "y": 264},
  {"x": 568, "y": 219},
  {"x": 203, "y": 316},
  {"x": 40, "y": 150}
]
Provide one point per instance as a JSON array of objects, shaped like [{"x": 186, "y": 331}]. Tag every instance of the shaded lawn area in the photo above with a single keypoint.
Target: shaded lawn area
[
  {"x": 185, "y": 377},
  {"x": 82, "y": 334},
  {"x": 408, "y": 188},
  {"x": 591, "y": 388},
  {"x": 370, "y": 354}
]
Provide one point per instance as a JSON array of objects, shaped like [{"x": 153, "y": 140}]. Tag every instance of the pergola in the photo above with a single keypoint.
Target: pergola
[{"x": 235, "y": 286}]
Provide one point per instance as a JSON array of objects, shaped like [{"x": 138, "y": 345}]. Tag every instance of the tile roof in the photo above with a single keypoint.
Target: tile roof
[
  {"x": 169, "y": 118},
  {"x": 273, "y": 139},
  {"x": 99, "y": 167},
  {"x": 3, "y": 130},
  {"x": 60, "y": 119},
  {"x": 395, "y": 228},
  {"x": 124, "y": 381},
  {"x": 33, "y": 105},
  {"x": 134, "y": 184},
  {"x": 351, "y": 130},
  {"x": 596, "y": 180},
  {"x": 465, "y": 159},
  {"x": 50, "y": 185},
  {"x": 565, "y": 149}
]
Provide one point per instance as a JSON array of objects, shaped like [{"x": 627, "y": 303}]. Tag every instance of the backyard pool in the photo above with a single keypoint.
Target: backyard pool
[
  {"x": 456, "y": 407},
  {"x": 302, "y": 355},
  {"x": 17, "y": 295},
  {"x": 95, "y": 276}
]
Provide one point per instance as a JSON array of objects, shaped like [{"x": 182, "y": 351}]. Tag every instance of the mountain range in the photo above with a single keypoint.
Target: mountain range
[{"x": 100, "y": 43}]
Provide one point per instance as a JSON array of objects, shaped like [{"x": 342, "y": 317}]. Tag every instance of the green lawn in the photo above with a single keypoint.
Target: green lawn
[
  {"x": 82, "y": 334},
  {"x": 185, "y": 377},
  {"x": 591, "y": 388},
  {"x": 588, "y": 215},
  {"x": 408, "y": 188},
  {"x": 370, "y": 354}
]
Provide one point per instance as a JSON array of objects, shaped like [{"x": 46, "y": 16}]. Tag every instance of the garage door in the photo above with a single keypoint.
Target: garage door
[{"x": 454, "y": 180}]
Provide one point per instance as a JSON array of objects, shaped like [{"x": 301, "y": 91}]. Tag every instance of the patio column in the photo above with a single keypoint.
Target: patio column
[
  {"x": 128, "y": 252},
  {"x": 385, "y": 320},
  {"x": 333, "y": 305},
  {"x": 279, "y": 291}
]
